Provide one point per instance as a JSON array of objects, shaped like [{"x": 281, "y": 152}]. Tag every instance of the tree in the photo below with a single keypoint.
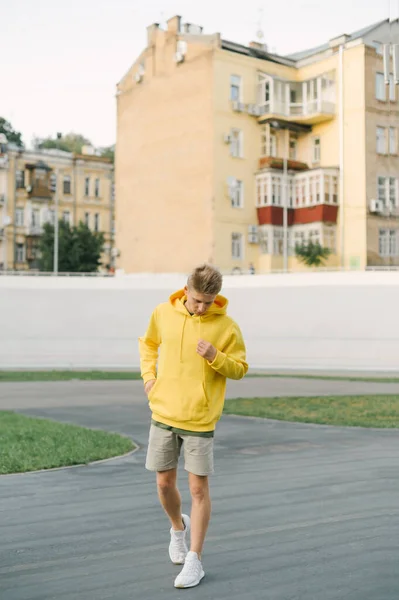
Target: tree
[
  {"x": 71, "y": 142},
  {"x": 312, "y": 254},
  {"x": 108, "y": 152},
  {"x": 79, "y": 249},
  {"x": 14, "y": 137}
]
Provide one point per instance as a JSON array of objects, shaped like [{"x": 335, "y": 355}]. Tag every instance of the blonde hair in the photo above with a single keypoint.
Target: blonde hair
[{"x": 205, "y": 279}]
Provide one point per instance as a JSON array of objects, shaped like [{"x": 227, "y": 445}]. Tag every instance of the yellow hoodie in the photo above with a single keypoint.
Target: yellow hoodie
[{"x": 189, "y": 390}]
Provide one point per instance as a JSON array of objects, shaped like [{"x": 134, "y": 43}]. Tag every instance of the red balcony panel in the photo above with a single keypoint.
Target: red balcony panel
[
  {"x": 325, "y": 213},
  {"x": 273, "y": 215}
]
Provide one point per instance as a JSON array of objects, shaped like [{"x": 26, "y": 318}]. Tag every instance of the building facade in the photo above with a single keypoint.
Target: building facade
[
  {"x": 233, "y": 155},
  {"x": 33, "y": 183}
]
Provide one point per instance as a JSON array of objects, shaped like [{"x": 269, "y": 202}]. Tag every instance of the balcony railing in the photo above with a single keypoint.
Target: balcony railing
[
  {"x": 307, "y": 102},
  {"x": 35, "y": 230},
  {"x": 39, "y": 191}
]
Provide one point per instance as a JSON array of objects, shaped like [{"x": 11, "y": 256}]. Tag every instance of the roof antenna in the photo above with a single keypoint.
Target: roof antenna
[{"x": 260, "y": 34}]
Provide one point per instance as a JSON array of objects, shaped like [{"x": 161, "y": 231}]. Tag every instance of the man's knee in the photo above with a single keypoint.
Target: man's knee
[
  {"x": 166, "y": 481},
  {"x": 199, "y": 487}
]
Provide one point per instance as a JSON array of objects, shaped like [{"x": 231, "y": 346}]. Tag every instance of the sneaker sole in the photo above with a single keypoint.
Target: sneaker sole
[{"x": 183, "y": 587}]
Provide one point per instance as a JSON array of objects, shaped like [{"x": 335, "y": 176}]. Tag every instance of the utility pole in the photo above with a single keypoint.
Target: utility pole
[{"x": 56, "y": 228}]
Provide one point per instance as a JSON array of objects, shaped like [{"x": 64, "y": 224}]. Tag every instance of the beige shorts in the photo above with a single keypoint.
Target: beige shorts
[{"x": 164, "y": 450}]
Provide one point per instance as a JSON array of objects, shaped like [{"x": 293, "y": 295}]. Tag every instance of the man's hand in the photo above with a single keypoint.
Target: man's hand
[
  {"x": 149, "y": 385},
  {"x": 206, "y": 350}
]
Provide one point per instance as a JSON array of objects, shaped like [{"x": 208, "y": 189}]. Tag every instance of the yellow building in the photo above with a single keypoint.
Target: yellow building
[
  {"x": 32, "y": 182},
  {"x": 233, "y": 155}
]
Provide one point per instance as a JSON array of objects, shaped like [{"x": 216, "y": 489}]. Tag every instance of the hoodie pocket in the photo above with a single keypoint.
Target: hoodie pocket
[{"x": 179, "y": 400}]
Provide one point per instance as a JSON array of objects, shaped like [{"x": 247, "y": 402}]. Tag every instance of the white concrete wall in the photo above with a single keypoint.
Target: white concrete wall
[{"x": 301, "y": 321}]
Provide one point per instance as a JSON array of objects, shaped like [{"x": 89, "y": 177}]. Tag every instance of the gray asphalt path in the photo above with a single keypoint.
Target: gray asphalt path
[
  {"x": 100, "y": 393},
  {"x": 300, "y": 512}
]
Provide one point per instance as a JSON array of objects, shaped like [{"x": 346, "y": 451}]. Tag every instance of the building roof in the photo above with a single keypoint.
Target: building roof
[
  {"x": 256, "y": 53},
  {"x": 353, "y": 36}
]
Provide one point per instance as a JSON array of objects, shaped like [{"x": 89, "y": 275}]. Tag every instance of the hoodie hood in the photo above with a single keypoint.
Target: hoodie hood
[{"x": 219, "y": 307}]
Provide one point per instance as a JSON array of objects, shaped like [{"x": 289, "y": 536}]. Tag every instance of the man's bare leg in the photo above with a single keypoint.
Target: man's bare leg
[
  {"x": 200, "y": 511},
  {"x": 170, "y": 498}
]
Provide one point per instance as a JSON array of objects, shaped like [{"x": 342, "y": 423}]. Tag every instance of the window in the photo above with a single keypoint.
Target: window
[
  {"x": 268, "y": 142},
  {"x": 87, "y": 219},
  {"x": 66, "y": 216},
  {"x": 235, "y": 88},
  {"x": 293, "y": 148},
  {"x": 236, "y": 246},
  {"x": 87, "y": 186},
  {"x": 51, "y": 216},
  {"x": 97, "y": 222},
  {"x": 382, "y": 190},
  {"x": 380, "y": 87},
  {"x": 388, "y": 242},
  {"x": 316, "y": 150},
  {"x": 19, "y": 217},
  {"x": 236, "y": 143},
  {"x": 264, "y": 240},
  {"x": 392, "y": 141},
  {"x": 20, "y": 253},
  {"x": 237, "y": 195},
  {"x": 97, "y": 188},
  {"x": 330, "y": 239},
  {"x": 393, "y": 191},
  {"x": 35, "y": 217},
  {"x": 20, "y": 179},
  {"x": 392, "y": 94},
  {"x": 278, "y": 240},
  {"x": 381, "y": 141},
  {"x": 53, "y": 182},
  {"x": 67, "y": 184}
]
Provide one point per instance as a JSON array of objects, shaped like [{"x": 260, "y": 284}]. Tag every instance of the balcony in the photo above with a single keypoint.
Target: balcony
[
  {"x": 39, "y": 192},
  {"x": 34, "y": 230},
  {"x": 309, "y": 102},
  {"x": 312, "y": 196},
  {"x": 271, "y": 162}
]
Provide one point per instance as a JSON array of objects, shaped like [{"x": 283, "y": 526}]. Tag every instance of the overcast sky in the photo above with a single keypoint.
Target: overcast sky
[{"x": 61, "y": 59}]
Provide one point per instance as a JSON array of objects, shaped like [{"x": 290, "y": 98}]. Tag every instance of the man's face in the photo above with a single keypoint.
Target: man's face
[{"x": 198, "y": 303}]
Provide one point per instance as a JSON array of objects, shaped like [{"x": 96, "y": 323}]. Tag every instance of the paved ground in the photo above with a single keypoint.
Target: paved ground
[{"x": 300, "y": 512}]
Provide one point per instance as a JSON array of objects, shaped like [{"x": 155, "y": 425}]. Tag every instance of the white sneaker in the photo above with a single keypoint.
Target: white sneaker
[
  {"x": 178, "y": 546},
  {"x": 192, "y": 572}
]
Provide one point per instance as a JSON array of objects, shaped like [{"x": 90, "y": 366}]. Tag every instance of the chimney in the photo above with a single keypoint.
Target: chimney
[
  {"x": 258, "y": 46},
  {"x": 151, "y": 33},
  {"x": 174, "y": 25}
]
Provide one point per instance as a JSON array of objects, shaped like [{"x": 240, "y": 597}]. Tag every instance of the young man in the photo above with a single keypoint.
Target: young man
[{"x": 200, "y": 346}]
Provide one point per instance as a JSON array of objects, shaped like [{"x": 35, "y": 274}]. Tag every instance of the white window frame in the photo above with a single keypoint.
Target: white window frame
[
  {"x": 237, "y": 246},
  {"x": 237, "y": 194},
  {"x": 235, "y": 84},
  {"x": 381, "y": 140},
  {"x": 237, "y": 143},
  {"x": 66, "y": 216},
  {"x": 35, "y": 217},
  {"x": 316, "y": 149},
  {"x": 392, "y": 87},
  {"x": 19, "y": 216},
  {"x": 393, "y": 191},
  {"x": 53, "y": 182},
  {"x": 380, "y": 87},
  {"x": 388, "y": 190},
  {"x": 20, "y": 253},
  {"x": 388, "y": 242},
  {"x": 393, "y": 141},
  {"x": 97, "y": 224},
  {"x": 20, "y": 179}
]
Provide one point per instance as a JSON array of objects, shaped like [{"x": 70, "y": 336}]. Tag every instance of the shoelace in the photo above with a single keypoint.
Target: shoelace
[{"x": 191, "y": 567}]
